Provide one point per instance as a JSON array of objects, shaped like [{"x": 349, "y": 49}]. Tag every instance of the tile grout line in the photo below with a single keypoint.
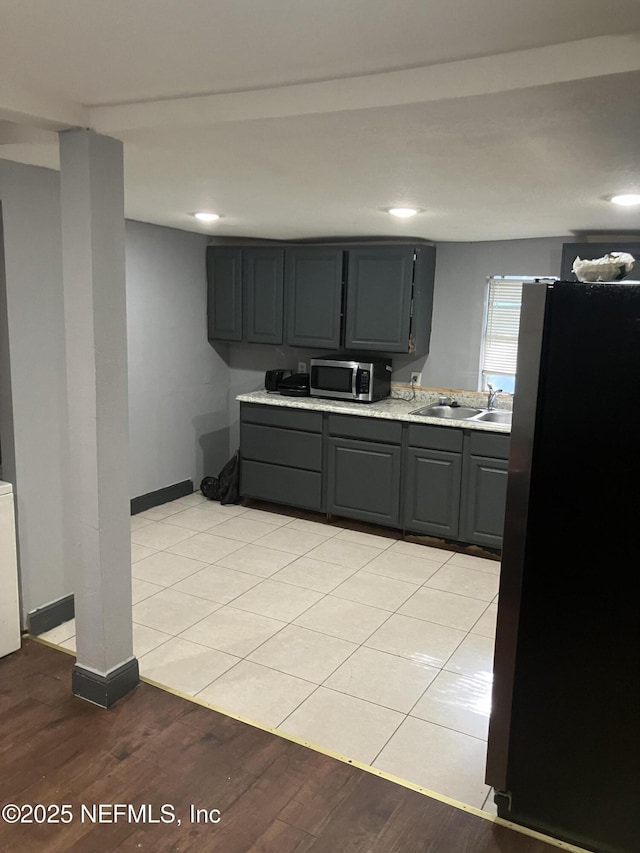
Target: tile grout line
[{"x": 324, "y": 595}]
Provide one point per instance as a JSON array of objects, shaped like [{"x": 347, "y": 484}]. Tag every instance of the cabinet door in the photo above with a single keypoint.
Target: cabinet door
[
  {"x": 432, "y": 492},
  {"x": 313, "y": 282},
  {"x": 364, "y": 481},
  {"x": 263, "y": 271},
  {"x": 379, "y": 282},
  {"x": 224, "y": 294},
  {"x": 483, "y": 518}
]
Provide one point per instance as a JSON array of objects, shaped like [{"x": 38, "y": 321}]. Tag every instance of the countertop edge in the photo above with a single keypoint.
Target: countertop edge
[{"x": 391, "y": 409}]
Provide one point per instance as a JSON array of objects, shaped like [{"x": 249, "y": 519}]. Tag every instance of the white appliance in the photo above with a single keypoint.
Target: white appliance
[{"x": 9, "y": 610}]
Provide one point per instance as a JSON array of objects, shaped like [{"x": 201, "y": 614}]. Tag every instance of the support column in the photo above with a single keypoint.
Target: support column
[{"x": 92, "y": 203}]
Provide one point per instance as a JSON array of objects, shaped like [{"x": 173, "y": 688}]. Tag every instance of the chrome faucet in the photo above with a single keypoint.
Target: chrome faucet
[{"x": 493, "y": 393}]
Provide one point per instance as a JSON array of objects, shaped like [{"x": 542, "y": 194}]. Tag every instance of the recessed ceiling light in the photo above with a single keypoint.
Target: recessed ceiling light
[
  {"x": 627, "y": 199},
  {"x": 403, "y": 212},
  {"x": 205, "y": 216}
]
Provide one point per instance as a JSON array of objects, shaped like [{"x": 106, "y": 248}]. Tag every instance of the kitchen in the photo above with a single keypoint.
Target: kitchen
[
  {"x": 151, "y": 250},
  {"x": 184, "y": 416}
]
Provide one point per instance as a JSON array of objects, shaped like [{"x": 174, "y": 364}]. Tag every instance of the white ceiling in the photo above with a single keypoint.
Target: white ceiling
[{"x": 293, "y": 119}]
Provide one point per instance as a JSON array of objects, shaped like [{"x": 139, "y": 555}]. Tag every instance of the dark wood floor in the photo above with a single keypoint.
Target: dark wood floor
[{"x": 155, "y": 748}]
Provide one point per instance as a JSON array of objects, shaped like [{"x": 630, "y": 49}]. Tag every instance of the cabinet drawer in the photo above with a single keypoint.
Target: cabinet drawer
[
  {"x": 368, "y": 429},
  {"x": 281, "y": 447},
  {"x": 489, "y": 444},
  {"x": 280, "y": 416},
  {"x": 435, "y": 438},
  {"x": 281, "y": 484}
]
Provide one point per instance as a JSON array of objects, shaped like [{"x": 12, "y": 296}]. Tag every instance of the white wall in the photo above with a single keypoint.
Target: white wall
[
  {"x": 178, "y": 384},
  {"x": 34, "y": 433}
]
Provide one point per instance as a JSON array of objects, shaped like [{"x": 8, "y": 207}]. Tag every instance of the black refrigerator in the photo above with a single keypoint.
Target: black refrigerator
[{"x": 563, "y": 749}]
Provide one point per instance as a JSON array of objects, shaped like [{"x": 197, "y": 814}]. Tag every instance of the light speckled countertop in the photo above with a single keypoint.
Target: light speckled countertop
[{"x": 392, "y": 409}]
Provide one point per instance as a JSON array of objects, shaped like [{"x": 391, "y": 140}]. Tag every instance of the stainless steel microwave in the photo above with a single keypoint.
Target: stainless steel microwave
[{"x": 342, "y": 378}]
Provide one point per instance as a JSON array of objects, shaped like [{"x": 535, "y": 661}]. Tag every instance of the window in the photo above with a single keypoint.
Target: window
[{"x": 500, "y": 340}]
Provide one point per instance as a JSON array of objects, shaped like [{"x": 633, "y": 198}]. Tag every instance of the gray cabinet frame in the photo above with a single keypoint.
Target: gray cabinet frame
[
  {"x": 374, "y": 297},
  {"x": 313, "y": 287},
  {"x": 245, "y": 294},
  {"x": 263, "y": 295},
  {"x": 439, "y": 481},
  {"x": 224, "y": 294}
]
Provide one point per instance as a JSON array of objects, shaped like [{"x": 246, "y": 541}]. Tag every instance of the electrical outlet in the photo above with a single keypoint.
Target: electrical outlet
[
  {"x": 302, "y": 367},
  {"x": 416, "y": 379}
]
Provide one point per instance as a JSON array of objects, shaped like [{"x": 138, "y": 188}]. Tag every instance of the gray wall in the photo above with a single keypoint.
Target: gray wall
[
  {"x": 34, "y": 430},
  {"x": 183, "y": 414},
  {"x": 462, "y": 270},
  {"x": 247, "y": 365},
  {"x": 178, "y": 384}
]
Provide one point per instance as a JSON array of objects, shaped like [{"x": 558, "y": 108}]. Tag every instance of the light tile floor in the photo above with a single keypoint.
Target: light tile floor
[{"x": 355, "y": 641}]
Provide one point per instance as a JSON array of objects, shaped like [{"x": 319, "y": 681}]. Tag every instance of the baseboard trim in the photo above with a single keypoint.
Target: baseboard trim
[
  {"x": 51, "y": 615},
  {"x": 105, "y": 690},
  {"x": 161, "y": 496}
]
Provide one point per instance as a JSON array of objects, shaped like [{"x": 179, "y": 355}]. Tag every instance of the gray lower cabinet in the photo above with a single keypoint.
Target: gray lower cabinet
[
  {"x": 432, "y": 478},
  {"x": 438, "y": 481},
  {"x": 364, "y": 469},
  {"x": 281, "y": 455},
  {"x": 485, "y": 489},
  {"x": 364, "y": 481}
]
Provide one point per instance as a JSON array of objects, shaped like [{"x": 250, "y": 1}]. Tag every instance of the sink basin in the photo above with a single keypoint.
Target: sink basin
[
  {"x": 495, "y": 417},
  {"x": 459, "y": 413}
]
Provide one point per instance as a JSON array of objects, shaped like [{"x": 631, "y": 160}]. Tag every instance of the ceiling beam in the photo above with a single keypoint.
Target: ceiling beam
[
  {"x": 25, "y": 107},
  {"x": 577, "y": 60}
]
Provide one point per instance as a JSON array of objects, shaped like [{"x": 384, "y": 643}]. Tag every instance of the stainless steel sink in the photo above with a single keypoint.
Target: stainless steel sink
[
  {"x": 459, "y": 413},
  {"x": 495, "y": 416},
  {"x": 465, "y": 413}
]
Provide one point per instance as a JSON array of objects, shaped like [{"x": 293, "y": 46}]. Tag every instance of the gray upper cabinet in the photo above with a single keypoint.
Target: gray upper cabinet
[
  {"x": 224, "y": 294},
  {"x": 263, "y": 289},
  {"x": 298, "y": 295},
  {"x": 389, "y": 298},
  {"x": 313, "y": 288},
  {"x": 245, "y": 294},
  {"x": 379, "y": 283}
]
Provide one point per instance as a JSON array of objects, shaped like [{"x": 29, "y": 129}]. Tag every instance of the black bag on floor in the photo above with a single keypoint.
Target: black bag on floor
[{"x": 226, "y": 486}]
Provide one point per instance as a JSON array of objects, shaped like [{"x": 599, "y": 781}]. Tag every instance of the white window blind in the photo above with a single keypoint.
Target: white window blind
[{"x": 503, "y": 323}]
